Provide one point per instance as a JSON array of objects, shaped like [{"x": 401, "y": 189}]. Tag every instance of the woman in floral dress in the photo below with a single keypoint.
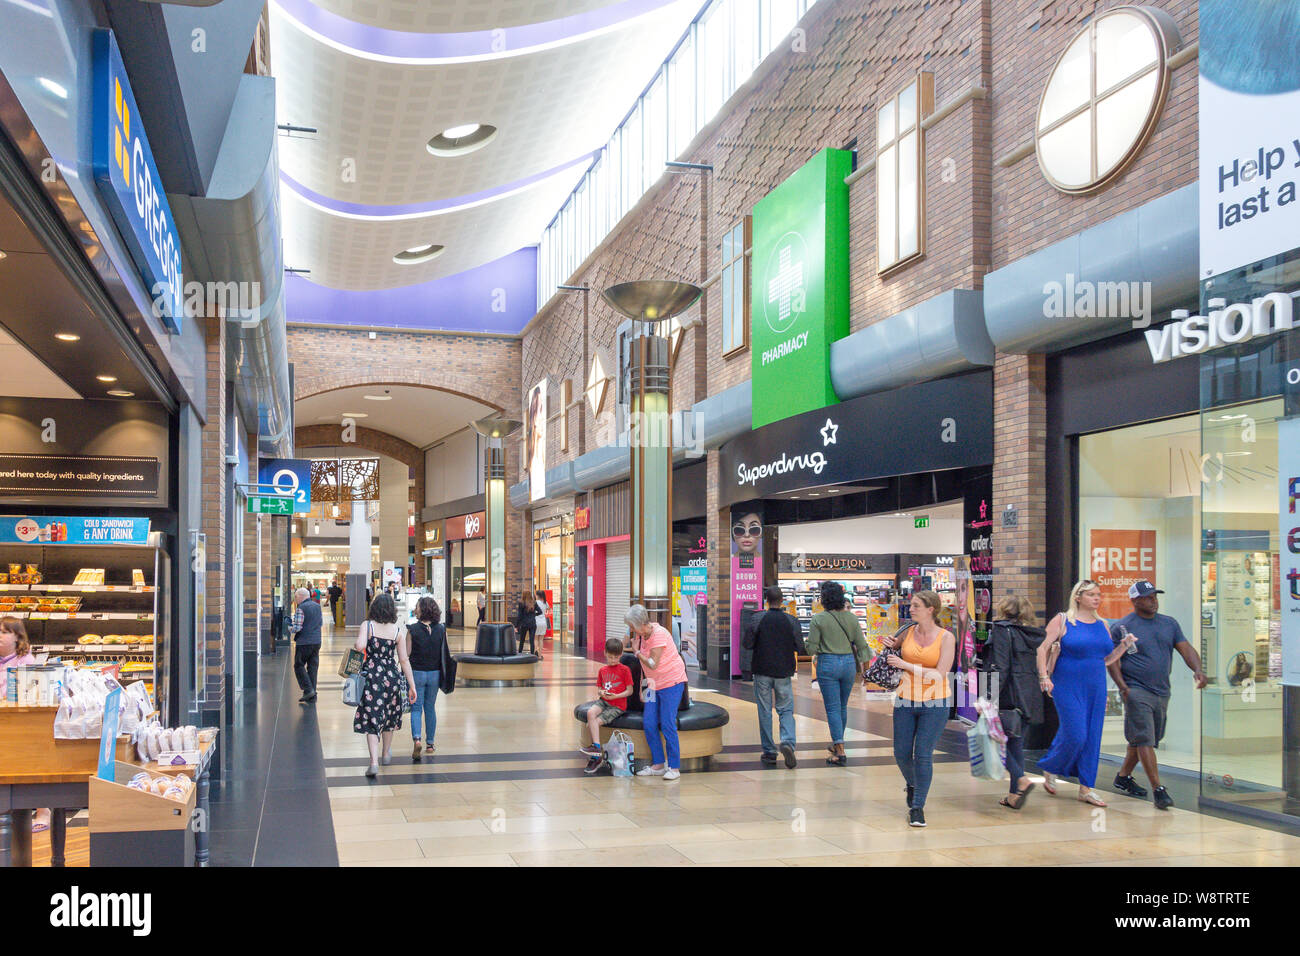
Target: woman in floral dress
[{"x": 380, "y": 713}]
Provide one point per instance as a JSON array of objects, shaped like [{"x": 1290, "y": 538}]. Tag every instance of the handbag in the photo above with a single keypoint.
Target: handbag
[
  {"x": 353, "y": 687},
  {"x": 880, "y": 672},
  {"x": 447, "y": 671}
]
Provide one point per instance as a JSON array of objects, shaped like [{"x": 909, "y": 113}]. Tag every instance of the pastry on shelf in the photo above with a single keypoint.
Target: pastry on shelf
[{"x": 90, "y": 639}]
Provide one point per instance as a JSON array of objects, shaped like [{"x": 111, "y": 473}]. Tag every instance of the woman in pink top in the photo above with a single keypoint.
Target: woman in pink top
[{"x": 665, "y": 673}]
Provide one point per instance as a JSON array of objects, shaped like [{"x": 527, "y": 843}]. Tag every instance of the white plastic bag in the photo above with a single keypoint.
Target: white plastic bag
[{"x": 619, "y": 753}]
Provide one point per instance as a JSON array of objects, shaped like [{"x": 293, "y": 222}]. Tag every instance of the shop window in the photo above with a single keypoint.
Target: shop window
[
  {"x": 900, "y": 173},
  {"x": 734, "y": 284},
  {"x": 1104, "y": 97}
]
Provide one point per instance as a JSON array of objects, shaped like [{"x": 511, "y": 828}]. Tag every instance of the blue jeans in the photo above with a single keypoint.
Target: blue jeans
[
  {"x": 917, "y": 727},
  {"x": 1015, "y": 760},
  {"x": 426, "y": 692},
  {"x": 836, "y": 674},
  {"x": 764, "y": 689},
  {"x": 660, "y": 716}
]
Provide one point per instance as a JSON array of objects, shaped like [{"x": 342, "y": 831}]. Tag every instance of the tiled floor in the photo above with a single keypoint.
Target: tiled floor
[{"x": 506, "y": 788}]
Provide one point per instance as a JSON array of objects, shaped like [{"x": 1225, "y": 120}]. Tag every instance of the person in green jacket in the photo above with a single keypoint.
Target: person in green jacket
[{"x": 838, "y": 646}]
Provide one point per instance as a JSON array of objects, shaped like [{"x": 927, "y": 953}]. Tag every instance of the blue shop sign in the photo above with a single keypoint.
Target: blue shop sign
[
  {"x": 286, "y": 476},
  {"x": 129, "y": 182},
  {"x": 19, "y": 529}
]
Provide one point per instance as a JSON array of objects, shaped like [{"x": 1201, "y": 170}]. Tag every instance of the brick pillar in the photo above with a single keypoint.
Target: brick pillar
[
  {"x": 213, "y": 520},
  {"x": 1019, "y": 477}
]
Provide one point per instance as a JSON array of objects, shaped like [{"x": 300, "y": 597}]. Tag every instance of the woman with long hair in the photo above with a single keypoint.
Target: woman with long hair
[
  {"x": 925, "y": 657},
  {"x": 383, "y": 640},
  {"x": 527, "y": 613},
  {"x": 1014, "y": 641},
  {"x": 838, "y": 647},
  {"x": 1078, "y": 686},
  {"x": 425, "y": 640}
]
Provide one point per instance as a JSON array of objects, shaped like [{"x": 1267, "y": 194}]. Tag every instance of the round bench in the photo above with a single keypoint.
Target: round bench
[
  {"x": 699, "y": 732},
  {"x": 483, "y": 670}
]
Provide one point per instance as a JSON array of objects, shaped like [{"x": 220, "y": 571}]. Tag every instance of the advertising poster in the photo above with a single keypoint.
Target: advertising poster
[
  {"x": 746, "y": 572},
  {"x": 1288, "y": 467},
  {"x": 1115, "y": 560},
  {"x": 963, "y": 616},
  {"x": 535, "y": 442},
  {"x": 1249, "y": 97},
  {"x": 73, "y": 530},
  {"x": 693, "y": 591}
]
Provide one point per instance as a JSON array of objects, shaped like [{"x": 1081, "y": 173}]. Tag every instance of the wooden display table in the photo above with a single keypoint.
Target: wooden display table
[
  {"x": 202, "y": 784},
  {"x": 38, "y": 771}
]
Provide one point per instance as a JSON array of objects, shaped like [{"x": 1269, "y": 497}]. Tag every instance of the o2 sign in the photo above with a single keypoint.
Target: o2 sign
[{"x": 290, "y": 477}]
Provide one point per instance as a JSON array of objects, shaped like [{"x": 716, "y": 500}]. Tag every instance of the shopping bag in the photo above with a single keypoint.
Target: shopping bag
[
  {"x": 353, "y": 687},
  {"x": 619, "y": 753},
  {"x": 987, "y": 759},
  {"x": 351, "y": 662},
  {"x": 989, "y": 711}
]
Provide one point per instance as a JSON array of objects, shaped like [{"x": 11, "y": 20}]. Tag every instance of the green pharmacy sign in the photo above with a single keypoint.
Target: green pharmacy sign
[{"x": 799, "y": 303}]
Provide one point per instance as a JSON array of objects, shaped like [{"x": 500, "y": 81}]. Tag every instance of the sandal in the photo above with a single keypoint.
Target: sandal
[
  {"x": 838, "y": 760},
  {"x": 1049, "y": 784},
  {"x": 1092, "y": 799},
  {"x": 1020, "y": 802},
  {"x": 40, "y": 827}
]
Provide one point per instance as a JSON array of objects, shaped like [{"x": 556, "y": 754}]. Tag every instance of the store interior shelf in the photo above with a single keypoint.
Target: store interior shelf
[
  {"x": 79, "y": 615},
  {"x": 76, "y": 589}
]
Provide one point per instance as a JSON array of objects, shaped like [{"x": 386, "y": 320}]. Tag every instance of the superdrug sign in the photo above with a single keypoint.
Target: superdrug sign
[{"x": 927, "y": 427}]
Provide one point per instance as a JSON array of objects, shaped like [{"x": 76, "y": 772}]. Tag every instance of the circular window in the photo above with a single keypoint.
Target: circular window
[
  {"x": 1103, "y": 97},
  {"x": 459, "y": 140},
  {"x": 418, "y": 254}
]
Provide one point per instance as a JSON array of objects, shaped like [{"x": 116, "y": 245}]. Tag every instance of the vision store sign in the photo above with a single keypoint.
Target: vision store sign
[{"x": 800, "y": 290}]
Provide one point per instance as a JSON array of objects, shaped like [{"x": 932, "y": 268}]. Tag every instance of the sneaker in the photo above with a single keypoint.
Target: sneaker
[
  {"x": 768, "y": 757},
  {"x": 595, "y": 763},
  {"x": 651, "y": 772},
  {"x": 1162, "y": 799},
  {"x": 591, "y": 751},
  {"x": 787, "y": 751},
  {"x": 417, "y": 751},
  {"x": 916, "y": 818},
  {"x": 1129, "y": 785},
  {"x": 671, "y": 774}
]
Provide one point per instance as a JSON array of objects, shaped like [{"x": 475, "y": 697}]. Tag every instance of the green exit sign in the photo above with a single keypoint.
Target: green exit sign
[
  {"x": 922, "y": 522},
  {"x": 270, "y": 505}
]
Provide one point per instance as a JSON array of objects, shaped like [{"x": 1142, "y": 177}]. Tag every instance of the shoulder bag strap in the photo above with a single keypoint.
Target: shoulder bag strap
[{"x": 853, "y": 648}]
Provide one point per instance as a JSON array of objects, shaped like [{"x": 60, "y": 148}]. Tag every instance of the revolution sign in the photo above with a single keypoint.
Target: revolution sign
[
  {"x": 129, "y": 182},
  {"x": 800, "y": 293}
]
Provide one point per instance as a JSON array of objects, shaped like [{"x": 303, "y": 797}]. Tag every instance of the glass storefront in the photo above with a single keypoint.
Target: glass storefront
[
  {"x": 553, "y": 572},
  {"x": 468, "y": 574}
]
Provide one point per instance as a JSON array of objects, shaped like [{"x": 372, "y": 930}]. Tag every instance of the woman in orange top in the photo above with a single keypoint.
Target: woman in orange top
[{"x": 921, "y": 705}]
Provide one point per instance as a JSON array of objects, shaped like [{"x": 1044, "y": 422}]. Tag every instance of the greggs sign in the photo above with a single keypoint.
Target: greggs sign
[
  {"x": 582, "y": 519},
  {"x": 466, "y": 526}
]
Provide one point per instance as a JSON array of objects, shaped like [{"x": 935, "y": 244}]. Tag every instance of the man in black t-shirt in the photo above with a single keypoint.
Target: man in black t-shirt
[
  {"x": 775, "y": 640},
  {"x": 1142, "y": 676}
]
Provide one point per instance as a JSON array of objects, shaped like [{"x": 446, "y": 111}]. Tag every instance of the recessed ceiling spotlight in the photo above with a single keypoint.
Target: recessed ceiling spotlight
[
  {"x": 120, "y": 393},
  {"x": 107, "y": 379},
  {"x": 67, "y": 336},
  {"x": 355, "y": 415},
  {"x": 814, "y": 494},
  {"x": 417, "y": 254},
  {"x": 462, "y": 139},
  {"x": 3, "y": 253},
  {"x": 378, "y": 398}
]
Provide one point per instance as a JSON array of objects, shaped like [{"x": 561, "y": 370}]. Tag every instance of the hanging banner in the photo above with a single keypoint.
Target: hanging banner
[
  {"x": 1288, "y": 467},
  {"x": 535, "y": 442},
  {"x": 1248, "y": 99},
  {"x": 288, "y": 478},
  {"x": 800, "y": 290},
  {"x": 1115, "y": 560}
]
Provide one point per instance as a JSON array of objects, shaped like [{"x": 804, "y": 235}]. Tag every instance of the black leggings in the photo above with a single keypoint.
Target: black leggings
[{"x": 531, "y": 631}]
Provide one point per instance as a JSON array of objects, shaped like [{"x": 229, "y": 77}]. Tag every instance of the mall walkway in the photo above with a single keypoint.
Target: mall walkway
[{"x": 506, "y": 788}]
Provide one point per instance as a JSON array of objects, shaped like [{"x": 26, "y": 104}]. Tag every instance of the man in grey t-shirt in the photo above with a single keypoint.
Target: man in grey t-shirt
[{"x": 1142, "y": 676}]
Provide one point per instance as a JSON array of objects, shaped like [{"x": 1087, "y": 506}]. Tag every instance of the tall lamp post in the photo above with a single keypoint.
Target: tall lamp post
[
  {"x": 650, "y": 302},
  {"x": 496, "y": 431}
]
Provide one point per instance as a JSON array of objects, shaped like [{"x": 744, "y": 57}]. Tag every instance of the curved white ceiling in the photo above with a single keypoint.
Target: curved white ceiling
[
  {"x": 420, "y": 416},
  {"x": 552, "y": 106},
  {"x": 457, "y": 16}
]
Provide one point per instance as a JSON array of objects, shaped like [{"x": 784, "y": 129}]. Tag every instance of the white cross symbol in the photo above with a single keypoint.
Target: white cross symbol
[{"x": 788, "y": 279}]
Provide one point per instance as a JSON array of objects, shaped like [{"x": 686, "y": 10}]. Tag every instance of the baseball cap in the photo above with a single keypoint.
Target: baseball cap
[{"x": 1143, "y": 588}]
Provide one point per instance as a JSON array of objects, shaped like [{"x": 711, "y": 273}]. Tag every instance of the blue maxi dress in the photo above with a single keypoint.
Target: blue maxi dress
[{"x": 1079, "y": 691}]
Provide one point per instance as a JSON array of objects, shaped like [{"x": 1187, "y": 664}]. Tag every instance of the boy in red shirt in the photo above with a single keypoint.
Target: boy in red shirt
[{"x": 615, "y": 686}]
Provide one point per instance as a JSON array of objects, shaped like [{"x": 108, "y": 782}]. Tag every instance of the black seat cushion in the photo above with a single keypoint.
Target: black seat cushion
[
  {"x": 494, "y": 639},
  {"x": 699, "y": 716},
  {"x": 490, "y": 659}
]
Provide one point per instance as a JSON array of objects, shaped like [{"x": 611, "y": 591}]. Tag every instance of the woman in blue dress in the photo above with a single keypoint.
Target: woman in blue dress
[{"x": 1078, "y": 686}]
